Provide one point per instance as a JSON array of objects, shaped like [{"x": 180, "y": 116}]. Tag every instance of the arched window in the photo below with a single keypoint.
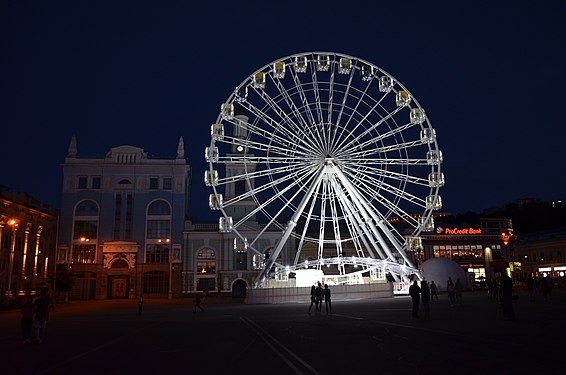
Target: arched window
[
  {"x": 124, "y": 182},
  {"x": 159, "y": 221},
  {"x": 159, "y": 207},
  {"x": 206, "y": 261},
  {"x": 86, "y": 208}
]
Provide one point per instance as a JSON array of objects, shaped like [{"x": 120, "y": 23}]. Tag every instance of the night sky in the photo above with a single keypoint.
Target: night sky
[{"x": 490, "y": 75}]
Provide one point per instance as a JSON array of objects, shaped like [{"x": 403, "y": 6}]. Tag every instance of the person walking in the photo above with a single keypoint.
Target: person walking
[
  {"x": 415, "y": 293},
  {"x": 425, "y": 295},
  {"x": 140, "y": 304},
  {"x": 313, "y": 297},
  {"x": 27, "y": 319},
  {"x": 197, "y": 304},
  {"x": 327, "y": 301},
  {"x": 433, "y": 291},
  {"x": 41, "y": 314},
  {"x": 458, "y": 289}
]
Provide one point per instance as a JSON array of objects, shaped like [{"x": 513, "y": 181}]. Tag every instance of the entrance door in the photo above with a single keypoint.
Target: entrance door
[{"x": 119, "y": 287}]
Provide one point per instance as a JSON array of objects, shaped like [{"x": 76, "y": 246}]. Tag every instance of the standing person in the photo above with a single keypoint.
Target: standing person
[
  {"x": 140, "y": 304},
  {"x": 27, "y": 319},
  {"x": 507, "y": 298},
  {"x": 197, "y": 304},
  {"x": 327, "y": 301},
  {"x": 433, "y": 291},
  {"x": 425, "y": 295},
  {"x": 458, "y": 288},
  {"x": 450, "y": 290},
  {"x": 415, "y": 293},
  {"x": 319, "y": 295},
  {"x": 313, "y": 297},
  {"x": 531, "y": 286},
  {"x": 41, "y": 308}
]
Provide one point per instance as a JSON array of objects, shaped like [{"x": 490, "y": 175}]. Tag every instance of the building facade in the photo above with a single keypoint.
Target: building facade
[
  {"x": 485, "y": 251},
  {"x": 542, "y": 253},
  {"x": 122, "y": 221},
  {"x": 28, "y": 232}
]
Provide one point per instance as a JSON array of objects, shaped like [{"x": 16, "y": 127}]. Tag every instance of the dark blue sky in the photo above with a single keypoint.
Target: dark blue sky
[{"x": 490, "y": 75}]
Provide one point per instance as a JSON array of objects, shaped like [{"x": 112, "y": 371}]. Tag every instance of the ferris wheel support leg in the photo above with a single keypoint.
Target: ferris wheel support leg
[{"x": 289, "y": 229}]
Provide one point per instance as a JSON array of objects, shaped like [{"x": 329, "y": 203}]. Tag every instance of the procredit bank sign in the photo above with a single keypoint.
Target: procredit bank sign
[{"x": 441, "y": 230}]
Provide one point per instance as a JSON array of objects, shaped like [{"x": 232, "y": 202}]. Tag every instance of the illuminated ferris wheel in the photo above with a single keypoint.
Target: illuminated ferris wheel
[{"x": 337, "y": 154}]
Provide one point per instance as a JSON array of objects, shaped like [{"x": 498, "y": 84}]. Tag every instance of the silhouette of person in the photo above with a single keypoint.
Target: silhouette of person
[
  {"x": 140, "y": 304},
  {"x": 531, "y": 286},
  {"x": 41, "y": 308},
  {"x": 27, "y": 319},
  {"x": 507, "y": 298},
  {"x": 458, "y": 288},
  {"x": 319, "y": 295},
  {"x": 197, "y": 304},
  {"x": 415, "y": 293},
  {"x": 327, "y": 301},
  {"x": 425, "y": 295},
  {"x": 433, "y": 291},
  {"x": 313, "y": 297},
  {"x": 450, "y": 289}
]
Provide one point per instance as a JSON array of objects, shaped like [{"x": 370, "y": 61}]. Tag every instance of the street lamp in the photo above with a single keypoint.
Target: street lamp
[{"x": 14, "y": 224}]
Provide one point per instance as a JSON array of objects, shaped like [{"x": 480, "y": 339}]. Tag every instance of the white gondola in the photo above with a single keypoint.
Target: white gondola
[
  {"x": 403, "y": 98},
  {"x": 279, "y": 70},
  {"x": 259, "y": 80},
  {"x": 385, "y": 84},
  {"x": 215, "y": 201},
  {"x": 211, "y": 154}
]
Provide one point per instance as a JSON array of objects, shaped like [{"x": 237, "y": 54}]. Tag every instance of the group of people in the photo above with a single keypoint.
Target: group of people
[
  {"x": 543, "y": 286},
  {"x": 319, "y": 294},
  {"x": 429, "y": 292},
  {"x": 35, "y": 314}
]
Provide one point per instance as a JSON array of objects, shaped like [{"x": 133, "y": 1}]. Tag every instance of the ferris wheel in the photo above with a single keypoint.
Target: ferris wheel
[{"x": 337, "y": 155}]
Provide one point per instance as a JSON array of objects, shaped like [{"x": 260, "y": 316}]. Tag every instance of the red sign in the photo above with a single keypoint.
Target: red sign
[{"x": 441, "y": 230}]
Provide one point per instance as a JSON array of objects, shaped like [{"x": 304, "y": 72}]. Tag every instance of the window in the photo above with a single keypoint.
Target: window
[
  {"x": 159, "y": 207},
  {"x": 129, "y": 215},
  {"x": 86, "y": 208},
  {"x": 239, "y": 187},
  {"x": 158, "y": 229},
  {"x": 85, "y": 230},
  {"x": 155, "y": 282},
  {"x": 84, "y": 254},
  {"x": 156, "y": 253},
  {"x": 96, "y": 182},
  {"x": 82, "y": 182},
  {"x": 167, "y": 183},
  {"x": 117, "y": 215},
  {"x": 206, "y": 261},
  {"x": 154, "y": 183}
]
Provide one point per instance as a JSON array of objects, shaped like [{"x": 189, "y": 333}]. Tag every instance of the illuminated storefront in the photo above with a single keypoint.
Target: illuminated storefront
[
  {"x": 484, "y": 251},
  {"x": 542, "y": 253}
]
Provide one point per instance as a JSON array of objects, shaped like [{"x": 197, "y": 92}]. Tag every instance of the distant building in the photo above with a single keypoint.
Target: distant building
[
  {"x": 122, "y": 221},
  {"x": 542, "y": 253},
  {"x": 28, "y": 232},
  {"x": 483, "y": 251}
]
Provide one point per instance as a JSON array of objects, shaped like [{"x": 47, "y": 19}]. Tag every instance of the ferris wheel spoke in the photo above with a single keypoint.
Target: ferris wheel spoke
[
  {"x": 256, "y": 174},
  {"x": 362, "y": 146},
  {"x": 262, "y": 133},
  {"x": 277, "y": 127},
  {"x": 376, "y": 183},
  {"x": 380, "y": 173},
  {"x": 290, "y": 103},
  {"x": 293, "y": 127},
  {"x": 370, "y": 129},
  {"x": 307, "y": 108},
  {"x": 353, "y": 112},
  {"x": 267, "y": 185},
  {"x": 335, "y": 223},
  {"x": 278, "y": 195},
  {"x": 307, "y": 221},
  {"x": 342, "y": 106}
]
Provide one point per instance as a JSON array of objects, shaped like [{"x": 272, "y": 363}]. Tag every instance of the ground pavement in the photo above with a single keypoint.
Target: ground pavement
[{"x": 359, "y": 337}]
